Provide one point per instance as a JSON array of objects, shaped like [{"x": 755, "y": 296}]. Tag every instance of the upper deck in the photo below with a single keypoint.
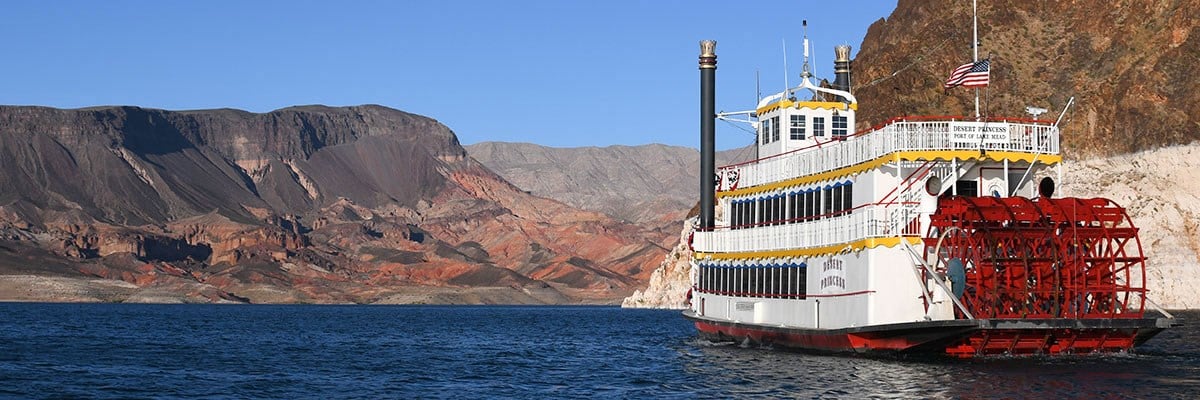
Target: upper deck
[{"x": 899, "y": 139}]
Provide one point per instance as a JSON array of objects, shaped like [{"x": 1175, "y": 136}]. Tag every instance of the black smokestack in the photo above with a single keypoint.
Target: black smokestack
[
  {"x": 841, "y": 68},
  {"x": 708, "y": 135}
]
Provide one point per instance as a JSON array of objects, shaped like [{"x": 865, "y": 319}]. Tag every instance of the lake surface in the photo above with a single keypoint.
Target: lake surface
[{"x": 243, "y": 351}]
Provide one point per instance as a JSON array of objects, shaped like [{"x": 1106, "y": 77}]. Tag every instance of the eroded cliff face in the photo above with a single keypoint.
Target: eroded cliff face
[
  {"x": 1159, "y": 190},
  {"x": 305, "y": 204},
  {"x": 669, "y": 284}
]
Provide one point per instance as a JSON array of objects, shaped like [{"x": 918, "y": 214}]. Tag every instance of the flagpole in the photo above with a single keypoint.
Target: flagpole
[{"x": 975, "y": 46}]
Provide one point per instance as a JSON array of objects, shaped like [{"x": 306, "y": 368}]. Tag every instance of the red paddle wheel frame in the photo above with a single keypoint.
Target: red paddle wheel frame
[{"x": 1044, "y": 259}]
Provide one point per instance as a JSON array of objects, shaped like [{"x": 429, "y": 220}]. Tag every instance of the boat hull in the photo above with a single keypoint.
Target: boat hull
[{"x": 959, "y": 338}]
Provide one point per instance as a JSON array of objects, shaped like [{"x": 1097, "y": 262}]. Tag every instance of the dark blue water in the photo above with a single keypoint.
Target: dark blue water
[{"x": 165, "y": 351}]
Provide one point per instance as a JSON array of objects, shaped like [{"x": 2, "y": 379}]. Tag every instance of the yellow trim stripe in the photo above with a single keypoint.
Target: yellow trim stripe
[
  {"x": 945, "y": 155},
  {"x": 868, "y": 243},
  {"x": 816, "y": 105}
]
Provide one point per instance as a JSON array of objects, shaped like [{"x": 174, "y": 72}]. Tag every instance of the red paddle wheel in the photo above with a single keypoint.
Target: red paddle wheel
[{"x": 1044, "y": 263}]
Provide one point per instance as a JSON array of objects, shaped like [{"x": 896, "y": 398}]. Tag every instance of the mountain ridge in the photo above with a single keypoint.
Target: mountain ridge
[{"x": 307, "y": 203}]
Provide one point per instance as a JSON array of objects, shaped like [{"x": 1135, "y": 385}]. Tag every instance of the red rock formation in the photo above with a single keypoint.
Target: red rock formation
[{"x": 307, "y": 204}]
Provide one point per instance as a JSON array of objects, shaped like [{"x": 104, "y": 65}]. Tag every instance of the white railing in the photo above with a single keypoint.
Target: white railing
[
  {"x": 899, "y": 136},
  {"x": 872, "y": 221}
]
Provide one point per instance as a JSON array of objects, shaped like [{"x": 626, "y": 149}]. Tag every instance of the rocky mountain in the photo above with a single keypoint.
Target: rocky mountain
[
  {"x": 304, "y": 204},
  {"x": 1129, "y": 63},
  {"x": 650, "y": 185}
]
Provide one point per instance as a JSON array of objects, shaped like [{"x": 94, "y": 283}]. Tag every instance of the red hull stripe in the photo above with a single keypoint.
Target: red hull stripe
[{"x": 960, "y": 338}]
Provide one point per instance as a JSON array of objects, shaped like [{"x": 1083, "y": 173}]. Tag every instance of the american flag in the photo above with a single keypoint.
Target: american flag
[{"x": 974, "y": 74}]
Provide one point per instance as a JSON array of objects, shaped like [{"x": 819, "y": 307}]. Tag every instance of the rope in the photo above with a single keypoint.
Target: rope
[
  {"x": 916, "y": 61},
  {"x": 741, "y": 155}
]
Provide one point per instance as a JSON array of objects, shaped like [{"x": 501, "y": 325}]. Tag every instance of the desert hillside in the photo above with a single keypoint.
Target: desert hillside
[{"x": 305, "y": 204}]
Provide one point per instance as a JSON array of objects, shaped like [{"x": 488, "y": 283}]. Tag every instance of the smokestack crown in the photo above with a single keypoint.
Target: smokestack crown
[
  {"x": 708, "y": 54},
  {"x": 841, "y": 68},
  {"x": 841, "y": 53}
]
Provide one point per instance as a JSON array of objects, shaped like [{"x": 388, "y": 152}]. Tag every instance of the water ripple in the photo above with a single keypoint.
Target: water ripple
[{"x": 207, "y": 351}]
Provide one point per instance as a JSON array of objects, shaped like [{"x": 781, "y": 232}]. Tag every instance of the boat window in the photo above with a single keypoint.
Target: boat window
[
  {"x": 791, "y": 206},
  {"x": 718, "y": 279},
  {"x": 770, "y": 292},
  {"x": 808, "y": 205},
  {"x": 759, "y": 280},
  {"x": 716, "y": 283},
  {"x": 816, "y": 204},
  {"x": 733, "y": 280},
  {"x": 768, "y": 213},
  {"x": 828, "y": 201},
  {"x": 836, "y": 192},
  {"x": 797, "y": 127},
  {"x": 848, "y": 196},
  {"x": 818, "y": 126},
  {"x": 764, "y": 131},
  {"x": 779, "y": 208},
  {"x": 708, "y": 279},
  {"x": 839, "y": 127},
  {"x": 782, "y": 208},
  {"x": 789, "y": 281},
  {"x": 752, "y": 212},
  {"x": 744, "y": 215},
  {"x": 778, "y": 282},
  {"x": 802, "y": 282},
  {"x": 967, "y": 188},
  {"x": 727, "y": 280},
  {"x": 742, "y": 280},
  {"x": 774, "y": 129}
]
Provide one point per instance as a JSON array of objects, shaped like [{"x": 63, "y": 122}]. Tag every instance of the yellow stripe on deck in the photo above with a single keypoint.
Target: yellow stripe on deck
[
  {"x": 868, "y": 243},
  {"x": 925, "y": 155}
]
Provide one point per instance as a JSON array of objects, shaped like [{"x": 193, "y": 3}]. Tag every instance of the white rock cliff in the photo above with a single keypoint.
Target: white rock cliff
[{"x": 670, "y": 281}]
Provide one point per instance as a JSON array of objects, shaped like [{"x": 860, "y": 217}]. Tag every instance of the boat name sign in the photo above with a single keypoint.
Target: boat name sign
[{"x": 971, "y": 132}]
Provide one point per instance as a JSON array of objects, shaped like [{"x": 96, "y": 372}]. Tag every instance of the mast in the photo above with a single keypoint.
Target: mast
[
  {"x": 975, "y": 46},
  {"x": 785, "y": 70}
]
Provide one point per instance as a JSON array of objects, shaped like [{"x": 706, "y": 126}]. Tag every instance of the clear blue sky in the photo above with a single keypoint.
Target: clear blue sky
[{"x": 557, "y": 73}]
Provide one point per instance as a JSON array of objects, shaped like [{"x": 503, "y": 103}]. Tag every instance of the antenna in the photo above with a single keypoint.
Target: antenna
[
  {"x": 814, "y": 63},
  {"x": 785, "y": 69},
  {"x": 975, "y": 46},
  {"x": 804, "y": 73},
  {"x": 757, "y": 87}
]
